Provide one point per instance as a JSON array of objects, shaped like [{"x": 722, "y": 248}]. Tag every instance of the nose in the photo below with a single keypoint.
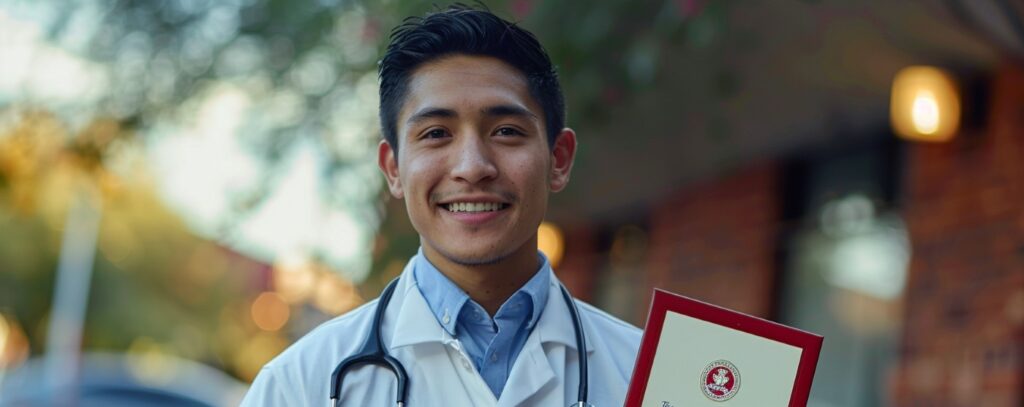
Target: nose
[{"x": 473, "y": 161}]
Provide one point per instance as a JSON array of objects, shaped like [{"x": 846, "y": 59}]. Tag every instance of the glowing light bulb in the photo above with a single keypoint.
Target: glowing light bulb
[
  {"x": 925, "y": 112},
  {"x": 925, "y": 104},
  {"x": 550, "y": 242}
]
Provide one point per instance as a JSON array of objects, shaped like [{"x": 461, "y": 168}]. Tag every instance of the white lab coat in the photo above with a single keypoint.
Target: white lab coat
[{"x": 546, "y": 373}]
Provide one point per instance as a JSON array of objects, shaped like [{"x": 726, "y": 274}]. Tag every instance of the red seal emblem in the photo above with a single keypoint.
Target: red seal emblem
[{"x": 720, "y": 380}]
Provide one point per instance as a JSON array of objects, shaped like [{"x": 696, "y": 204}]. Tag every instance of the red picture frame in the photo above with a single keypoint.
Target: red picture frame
[{"x": 664, "y": 301}]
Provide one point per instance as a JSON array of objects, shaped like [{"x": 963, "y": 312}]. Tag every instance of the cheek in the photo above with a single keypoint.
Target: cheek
[
  {"x": 419, "y": 173},
  {"x": 531, "y": 175}
]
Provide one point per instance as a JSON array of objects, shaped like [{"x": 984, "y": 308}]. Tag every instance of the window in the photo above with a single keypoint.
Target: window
[{"x": 844, "y": 269}]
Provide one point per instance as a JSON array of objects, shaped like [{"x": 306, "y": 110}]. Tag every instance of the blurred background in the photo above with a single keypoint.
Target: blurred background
[{"x": 189, "y": 186}]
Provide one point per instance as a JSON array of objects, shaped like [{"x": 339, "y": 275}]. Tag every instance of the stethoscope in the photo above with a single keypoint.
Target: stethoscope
[{"x": 372, "y": 352}]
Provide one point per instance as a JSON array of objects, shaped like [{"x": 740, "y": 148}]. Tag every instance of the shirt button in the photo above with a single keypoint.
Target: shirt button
[
  {"x": 446, "y": 319},
  {"x": 465, "y": 364},
  {"x": 494, "y": 357}
]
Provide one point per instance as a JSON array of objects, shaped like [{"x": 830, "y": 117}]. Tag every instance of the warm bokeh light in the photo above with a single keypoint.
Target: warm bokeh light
[
  {"x": 5, "y": 332},
  {"x": 14, "y": 347},
  {"x": 150, "y": 362},
  {"x": 269, "y": 311},
  {"x": 925, "y": 112},
  {"x": 925, "y": 104},
  {"x": 550, "y": 242},
  {"x": 255, "y": 351},
  {"x": 335, "y": 295},
  {"x": 294, "y": 278}
]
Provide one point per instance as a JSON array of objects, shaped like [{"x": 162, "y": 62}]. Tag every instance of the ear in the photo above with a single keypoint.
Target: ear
[
  {"x": 388, "y": 161},
  {"x": 563, "y": 153}
]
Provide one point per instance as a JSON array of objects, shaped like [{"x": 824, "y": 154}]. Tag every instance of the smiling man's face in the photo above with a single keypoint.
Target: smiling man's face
[{"x": 473, "y": 162}]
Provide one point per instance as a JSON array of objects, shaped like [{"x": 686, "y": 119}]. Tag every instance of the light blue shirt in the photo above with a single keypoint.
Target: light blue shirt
[{"x": 492, "y": 343}]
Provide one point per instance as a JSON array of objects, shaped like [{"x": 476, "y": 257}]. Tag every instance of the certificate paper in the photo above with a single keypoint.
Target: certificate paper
[{"x": 694, "y": 354}]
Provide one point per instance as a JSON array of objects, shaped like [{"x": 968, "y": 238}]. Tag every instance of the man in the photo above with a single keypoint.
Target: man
[{"x": 473, "y": 121}]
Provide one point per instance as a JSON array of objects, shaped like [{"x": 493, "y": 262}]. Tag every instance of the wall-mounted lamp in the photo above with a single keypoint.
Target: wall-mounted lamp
[
  {"x": 550, "y": 242},
  {"x": 925, "y": 104}
]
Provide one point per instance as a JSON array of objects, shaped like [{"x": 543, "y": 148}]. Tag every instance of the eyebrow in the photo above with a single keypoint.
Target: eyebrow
[
  {"x": 493, "y": 111},
  {"x": 431, "y": 112},
  {"x": 509, "y": 110}
]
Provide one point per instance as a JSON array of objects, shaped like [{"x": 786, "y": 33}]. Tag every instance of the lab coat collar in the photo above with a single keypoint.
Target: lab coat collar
[
  {"x": 418, "y": 325},
  {"x": 412, "y": 315},
  {"x": 555, "y": 324}
]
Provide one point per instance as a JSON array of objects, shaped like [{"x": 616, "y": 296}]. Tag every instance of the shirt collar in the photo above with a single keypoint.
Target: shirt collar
[
  {"x": 446, "y": 300},
  {"x": 410, "y": 311}
]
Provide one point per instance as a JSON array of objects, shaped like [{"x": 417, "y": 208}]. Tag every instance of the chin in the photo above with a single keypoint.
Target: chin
[
  {"x": 473, "y": 258},
  {"x": 475, "y": 261},
  {"x": 464, "y": 256}
]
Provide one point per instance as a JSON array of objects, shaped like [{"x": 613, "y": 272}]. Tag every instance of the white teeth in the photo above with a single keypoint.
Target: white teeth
[{"x": 474, "y": 206}]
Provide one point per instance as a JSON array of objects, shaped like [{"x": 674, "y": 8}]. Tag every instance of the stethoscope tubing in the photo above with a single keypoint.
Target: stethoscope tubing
[
  {"x": 581, "y": 346},
  {"x": 372, "y": 352}
]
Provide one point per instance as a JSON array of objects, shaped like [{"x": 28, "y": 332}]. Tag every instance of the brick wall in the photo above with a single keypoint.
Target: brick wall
[
  {"x": 580, "y": 261},
  {"x": 964, "y": 313},
  {"x": 716, "y": 241}
]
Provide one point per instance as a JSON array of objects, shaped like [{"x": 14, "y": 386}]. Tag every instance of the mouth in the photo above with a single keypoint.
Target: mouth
[{"x": 473, "y": 207}]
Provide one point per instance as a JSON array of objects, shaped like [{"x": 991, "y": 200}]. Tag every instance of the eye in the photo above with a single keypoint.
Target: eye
[
  {"x": 509, "y": 131},
  {"x": 435, "y": 134}
]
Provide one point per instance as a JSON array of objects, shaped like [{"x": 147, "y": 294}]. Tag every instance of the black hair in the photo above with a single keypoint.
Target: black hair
[{"x": 461, "y": 29}]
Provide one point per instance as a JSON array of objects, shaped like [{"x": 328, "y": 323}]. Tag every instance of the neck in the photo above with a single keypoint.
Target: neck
[{"x": 491, "y": 284}]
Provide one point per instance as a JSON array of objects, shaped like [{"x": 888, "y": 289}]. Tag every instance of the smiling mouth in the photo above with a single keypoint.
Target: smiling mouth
[{"x": 474, "y": 207}]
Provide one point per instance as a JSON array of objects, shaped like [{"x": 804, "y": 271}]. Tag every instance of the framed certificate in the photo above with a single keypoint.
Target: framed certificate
[{"x": 695, "y": 354}]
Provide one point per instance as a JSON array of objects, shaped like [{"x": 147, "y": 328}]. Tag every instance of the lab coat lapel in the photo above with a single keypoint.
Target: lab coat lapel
[
  {"x": 531, "y": 372},
  {"x": 544, "y": 356},
  {"x": 410, "y": 315},
  {"x": 432, "y": 358},
  {"x": 555, "y": 324}
]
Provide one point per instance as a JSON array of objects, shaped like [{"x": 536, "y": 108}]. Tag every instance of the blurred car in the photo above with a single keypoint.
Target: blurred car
[{"x": 111, "y": 379}]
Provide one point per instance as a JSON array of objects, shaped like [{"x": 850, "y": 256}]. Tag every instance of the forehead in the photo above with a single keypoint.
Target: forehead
[{"x": 466, "y": 84}]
